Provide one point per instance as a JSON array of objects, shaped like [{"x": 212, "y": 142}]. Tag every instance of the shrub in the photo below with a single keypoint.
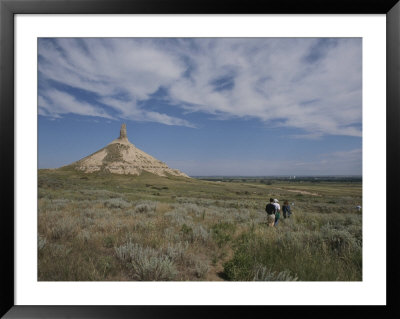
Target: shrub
[
  {"x": 179, "y": 217},
  {"x": 200, "y": 234},
  {"x": 59, "y": 250},
  {"x": 108, "y": 242},
  {"x": 124, "y": 251},
  {"x": 146, "y": 263},
  {"x": 263, "y": 273},
  {"x": 88, "y": 212},
  {"x": 147, "y": 208},
  {"x": 201, "y": 269},
  {"x": 171, "y": 234},
  {"x": 177, "y": 251},
  {"x": 84, "y": 235},
  {"x": 59, "y": 203},
  {"x": 240, "y": 267},
  {"x": 100, "y": 193},
  {"x": 85, "y": 222},
  {"x": 153, "y": 268},
  {"x": 146, "y": 225},
  {"x": 41, "y": 242},
  {"x": 65, "y": 227},
  {"x": 187, "y": 232},
  {"x": 219, "y": 213},
  {"x": 241, "y": 215},
  {"x": 222, "y": 232},
  {"x": 116, "y": 203},
  {"x": 192, "y": 209},
  {"x": 339, "y": 240}
]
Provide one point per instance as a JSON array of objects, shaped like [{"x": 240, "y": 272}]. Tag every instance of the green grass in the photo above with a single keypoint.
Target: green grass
[
  {"x": 189, "y": 229},
  {"x": 324, "y": 255}
]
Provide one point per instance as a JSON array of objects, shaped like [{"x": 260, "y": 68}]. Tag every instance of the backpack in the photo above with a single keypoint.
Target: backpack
[{"x": 270, "y": 209}]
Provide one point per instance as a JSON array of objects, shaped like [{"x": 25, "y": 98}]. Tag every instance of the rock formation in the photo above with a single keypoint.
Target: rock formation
[
  {"x": 122, "y": 132},
  {"x": 122, "y": 157}
]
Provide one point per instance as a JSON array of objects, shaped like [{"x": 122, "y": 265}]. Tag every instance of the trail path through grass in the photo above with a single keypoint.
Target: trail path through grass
[{"x": 299, "y": 191}]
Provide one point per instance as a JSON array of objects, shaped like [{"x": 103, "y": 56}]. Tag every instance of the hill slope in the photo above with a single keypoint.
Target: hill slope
[{"x": 122, "y": 157}]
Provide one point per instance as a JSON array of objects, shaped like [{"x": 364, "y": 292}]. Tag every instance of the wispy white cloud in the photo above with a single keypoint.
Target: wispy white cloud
[
  {"x": 274, "y": 81},
  {"x": 310, "y": 84},
  {"x": 106, "y": 68},
  {"x": 129, "y": 110},
  {"x": 55, "y": 103}
]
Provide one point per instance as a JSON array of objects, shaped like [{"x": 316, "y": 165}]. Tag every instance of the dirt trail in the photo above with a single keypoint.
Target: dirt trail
[
  {"x": 299, "y": 191},
  {"x": 215, "y": 272}
]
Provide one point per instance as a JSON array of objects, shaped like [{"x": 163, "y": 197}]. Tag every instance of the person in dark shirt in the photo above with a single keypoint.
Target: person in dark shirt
[
  {"x": 286, "y": 209},
  {"x": 271, "y": 210}
]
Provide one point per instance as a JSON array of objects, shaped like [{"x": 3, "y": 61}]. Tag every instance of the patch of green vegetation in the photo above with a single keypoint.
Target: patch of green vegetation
[
  {"x": 223, "y": 233},
  {"x": 108, "y": 242},
  {"x": 326, "y": 255}
]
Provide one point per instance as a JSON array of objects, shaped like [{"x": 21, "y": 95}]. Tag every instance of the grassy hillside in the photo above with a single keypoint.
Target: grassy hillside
[{"x": 115, "y": 227}]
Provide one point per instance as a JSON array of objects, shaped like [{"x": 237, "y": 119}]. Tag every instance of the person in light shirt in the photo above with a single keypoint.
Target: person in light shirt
[{"x": 278, "y": 211}]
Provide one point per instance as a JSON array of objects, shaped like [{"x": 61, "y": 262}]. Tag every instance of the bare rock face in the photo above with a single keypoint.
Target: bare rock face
[
  {"x": 122, "y": 132},
  {"x": 122, "y": 157}
]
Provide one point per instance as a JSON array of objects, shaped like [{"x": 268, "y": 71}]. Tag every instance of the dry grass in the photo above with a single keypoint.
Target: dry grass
[{"x": 119, "y": 228}]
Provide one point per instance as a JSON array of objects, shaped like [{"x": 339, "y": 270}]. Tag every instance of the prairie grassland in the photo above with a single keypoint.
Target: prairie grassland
[{"x": 120, "y": 228}]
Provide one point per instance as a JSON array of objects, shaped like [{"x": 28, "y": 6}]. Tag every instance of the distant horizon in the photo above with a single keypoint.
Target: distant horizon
[
  {"x": 252, "y": 176},
  {"x": 205, "y": 106},
  {"x": 271, "y": 176}
]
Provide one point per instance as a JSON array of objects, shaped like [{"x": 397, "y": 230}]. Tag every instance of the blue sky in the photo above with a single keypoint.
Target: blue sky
[{"x": 206, "y": 106}]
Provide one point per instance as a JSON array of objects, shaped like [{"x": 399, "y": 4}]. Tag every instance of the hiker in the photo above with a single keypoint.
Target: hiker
[
  {"x": 286, "y": 209},
  {"x": 278, "y": 211},
  {"x": 270, "y": 209}
]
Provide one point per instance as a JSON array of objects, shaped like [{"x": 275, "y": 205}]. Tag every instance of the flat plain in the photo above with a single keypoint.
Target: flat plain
[{"x": 109, "y": 227}]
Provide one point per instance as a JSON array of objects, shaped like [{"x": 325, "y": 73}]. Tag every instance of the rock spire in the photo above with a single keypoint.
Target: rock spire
[
  {"x": 122, "y": 132},
  {"x": 122, "y": 157}
]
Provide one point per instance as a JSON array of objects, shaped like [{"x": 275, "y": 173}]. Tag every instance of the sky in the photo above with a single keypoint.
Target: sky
[{"x": 205, "y": 106}]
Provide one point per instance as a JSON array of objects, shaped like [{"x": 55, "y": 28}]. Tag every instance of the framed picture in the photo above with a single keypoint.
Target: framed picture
[{"x": 223, "y": 73}]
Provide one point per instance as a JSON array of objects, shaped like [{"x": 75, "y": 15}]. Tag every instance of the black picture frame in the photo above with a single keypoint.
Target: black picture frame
[{"x": 8, "y": 8}]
